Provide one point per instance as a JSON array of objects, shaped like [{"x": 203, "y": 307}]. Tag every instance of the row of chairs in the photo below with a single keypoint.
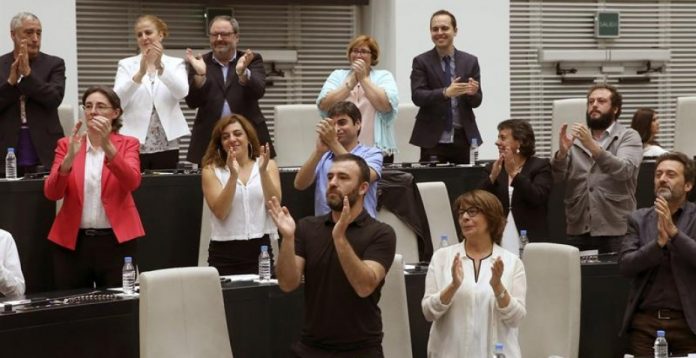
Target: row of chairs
[
  {"x": 182, "y": 313},
  {"x": 553, "y": 277}
]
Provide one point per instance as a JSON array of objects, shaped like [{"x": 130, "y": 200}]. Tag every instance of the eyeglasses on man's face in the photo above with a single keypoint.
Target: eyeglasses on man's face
[
  {"x": 471, "y": 211},
  {"x": 224, "y": 35}
]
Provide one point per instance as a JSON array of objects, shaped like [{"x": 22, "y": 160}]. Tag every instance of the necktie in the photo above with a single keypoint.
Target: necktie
[
  {"x": 23, "y": 109},
  {"x": 447, "y": 79}
]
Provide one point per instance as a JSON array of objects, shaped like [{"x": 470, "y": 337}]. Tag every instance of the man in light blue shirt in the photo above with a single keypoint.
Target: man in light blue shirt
[{"x": 338, "y": 134}]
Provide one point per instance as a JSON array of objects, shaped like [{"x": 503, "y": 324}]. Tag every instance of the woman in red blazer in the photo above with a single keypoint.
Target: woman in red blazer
[{"x": 94, "y": 173}]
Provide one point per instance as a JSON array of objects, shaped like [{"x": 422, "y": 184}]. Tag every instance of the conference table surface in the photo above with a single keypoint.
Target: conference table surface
[
  {"x": 262, "y": 320},
  {"x": 170, "y": 207}
]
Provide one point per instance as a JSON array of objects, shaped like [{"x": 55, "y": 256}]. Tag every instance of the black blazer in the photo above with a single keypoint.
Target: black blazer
[
  {"x": 530, "y": 197},
  {"x": 427, "y": 88},
  {"x": 640, "y": 257},
  {"x": 44, "y": 89},
  {"x": 210, "y": 97}
]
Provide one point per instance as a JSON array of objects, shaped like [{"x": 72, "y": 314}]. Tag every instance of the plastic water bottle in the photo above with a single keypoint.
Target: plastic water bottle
[
  {"x": 498, "y": 353},
  {"x": 11, "y": 164},
  {"x": 264, "y": 264},
  {"x": 473, "y": 151},
  {"x": 444, "y": 241},
  {"x": 660, "y": 346},
  {"x": 523, "y": 241},
  {"x": 128, "y": 275}
]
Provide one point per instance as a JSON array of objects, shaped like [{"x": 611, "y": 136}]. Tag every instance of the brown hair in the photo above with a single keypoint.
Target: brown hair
[
  {"x": 616, "y": 98},
  {"x": 160, "y": 25},
  {"x": 215, "y": 154},
  {"x": 114, "y": 101},
  {"x": 445, "y": 12},
  {"x": 522, "y": 132},
  {"x": 689, "y": 166},
  {"x": 368, "y": 41},
  {"x": 642, "y": 123},
  {"x": 490, "y": 207}
]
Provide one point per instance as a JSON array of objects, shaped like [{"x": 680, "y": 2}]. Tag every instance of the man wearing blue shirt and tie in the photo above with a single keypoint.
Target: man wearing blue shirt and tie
[{"x": 445, "y": 84}]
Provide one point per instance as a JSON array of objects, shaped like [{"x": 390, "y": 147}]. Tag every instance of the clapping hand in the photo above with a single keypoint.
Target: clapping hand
[
  {"x": 74, "y": 143},
  {"x": 265, "y": 157},
  {"x": 282, "y": 219},
  {"x": 232, "y": 163},
  {"x": 244, "y": 62},
  {"x": 457, "y": 271},
  {"x": 472, "y": 87},
  {"x": 20, "y": 66},
  {"x": 23, "y": 67},
  {"x": 360, "y": 69},
  {"x": 339, "y": 230},
  {"x": 196, "y": 62},
  {"x": 497, "y": 269},
  {"x": 565, "y": 140},
  {"x": 326, "y": 134},
  {"x": 665, "y": 226},
  {"x": 75, "y": 140},
  {"x": 102, "y": 126}
]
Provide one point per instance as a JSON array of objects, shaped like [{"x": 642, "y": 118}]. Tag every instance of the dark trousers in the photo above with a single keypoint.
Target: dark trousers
[
  {"x": 605, "y": 244},
  {"x": 456, "y": 152},
  {"x": 96, "y": 262},
  {"x": 159, "y": 160},
  {"x": 301, "y": 350},
  {"x": 236, "y": 257},
  {"x": 641, "y": 336}
]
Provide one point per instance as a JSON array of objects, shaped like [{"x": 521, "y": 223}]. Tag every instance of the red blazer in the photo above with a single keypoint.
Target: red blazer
[{"x": 120, "y": 177}]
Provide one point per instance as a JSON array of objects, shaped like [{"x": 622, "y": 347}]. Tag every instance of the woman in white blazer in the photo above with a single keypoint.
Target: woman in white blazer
[
  {"x": 475, "y": 291},
  {"x": 150, "y": 86}
]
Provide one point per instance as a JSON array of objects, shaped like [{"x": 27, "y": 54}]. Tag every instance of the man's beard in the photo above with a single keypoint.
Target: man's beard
[
  {"x": 665, "y": 193},
  {"x": 335, "y": 199},
  {"x": 601, "y": 123}
]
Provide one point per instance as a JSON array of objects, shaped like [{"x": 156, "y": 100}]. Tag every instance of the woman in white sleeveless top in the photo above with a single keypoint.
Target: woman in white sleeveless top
[{"x": 238, "y": 179}]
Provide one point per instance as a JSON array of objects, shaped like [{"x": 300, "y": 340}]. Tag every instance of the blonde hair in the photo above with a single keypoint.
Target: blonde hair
[
  {"x": 160, "y": 25},
  {"x": 368, "y": 41}
]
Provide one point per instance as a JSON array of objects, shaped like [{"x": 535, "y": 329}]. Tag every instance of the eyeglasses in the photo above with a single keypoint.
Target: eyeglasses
[
  {"x": 224, "y": 35},
  {"x": 356, "y": 51},
  {"x": 100, "y": 108},
  {"x": 471, "y": 211}
]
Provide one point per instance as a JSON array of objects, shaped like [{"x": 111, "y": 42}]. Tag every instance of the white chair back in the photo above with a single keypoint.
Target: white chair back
[
  {"x": 566, "y": 111},
  {"x": 295, "y": 135},
  {"x": 685, "y": 126},
  {"x": 553, "y": 301},
  {"x": 408, "y": 153},
  {"x": 182, "y": 314},
  {"x": 438, "y": 210},
  {"x": 394, "y": 307},
  {"x": 66, "y": 115},
  {"x": 406, "y": 239}
]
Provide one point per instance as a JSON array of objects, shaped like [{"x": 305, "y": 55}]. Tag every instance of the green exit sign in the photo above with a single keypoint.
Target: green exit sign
[{"x": 607, "y": 24}]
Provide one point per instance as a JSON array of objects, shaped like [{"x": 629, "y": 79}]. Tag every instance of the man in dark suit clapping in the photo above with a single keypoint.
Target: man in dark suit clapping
[
  {"x": 445, "y": 84},
  {"x": 658, "y": 253},
  {"x": 222, "y": 82},
  {"x": 32, "y": 85}
]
